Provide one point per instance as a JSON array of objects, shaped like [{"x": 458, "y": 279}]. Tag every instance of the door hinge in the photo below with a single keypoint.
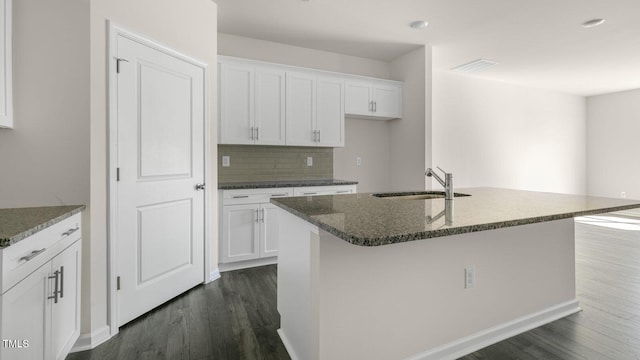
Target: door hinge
[
  {"x": 117, "y": 174},
  {"x": 118, "y": 61},
  {"x": 117, "y": 282}
]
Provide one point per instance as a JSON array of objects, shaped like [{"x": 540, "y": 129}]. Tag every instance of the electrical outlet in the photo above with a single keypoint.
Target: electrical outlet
[
  {"x": 309, "y": 161},
  {"x": 226, "y": 161},
  {"x": 358, "y": 161},
  {"x": 470, "y": 278},
  {"x": 623, "y": 194}
]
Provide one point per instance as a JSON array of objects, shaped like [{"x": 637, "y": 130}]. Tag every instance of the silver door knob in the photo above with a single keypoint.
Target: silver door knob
[{"x": 200, "y": 186}]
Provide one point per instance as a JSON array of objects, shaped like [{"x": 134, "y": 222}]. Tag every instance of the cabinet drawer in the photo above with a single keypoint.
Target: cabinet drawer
[
  {"x": 254, "y": 196},
  {"x": 324, "y": 190},
  {"x": 27, "y": 255}
]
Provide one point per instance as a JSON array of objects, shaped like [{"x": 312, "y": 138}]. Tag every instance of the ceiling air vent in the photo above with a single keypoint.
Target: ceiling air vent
[{"x": 475, "y": 65}]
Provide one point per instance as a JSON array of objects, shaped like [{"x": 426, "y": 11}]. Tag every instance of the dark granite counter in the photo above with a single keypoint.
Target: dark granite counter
[
  {"x": 19, "y": 223},
  {"x": 365, "y": 220},
  {"x": 282, "y": 183}
]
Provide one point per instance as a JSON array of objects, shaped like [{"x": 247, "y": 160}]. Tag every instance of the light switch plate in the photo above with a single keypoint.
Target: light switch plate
[
  {"x": 309, "y": 161},
  {"x": 226, "y": 161}
]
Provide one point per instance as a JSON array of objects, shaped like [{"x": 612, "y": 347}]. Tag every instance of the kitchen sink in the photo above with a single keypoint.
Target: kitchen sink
[{"x": 416, "y": 195}]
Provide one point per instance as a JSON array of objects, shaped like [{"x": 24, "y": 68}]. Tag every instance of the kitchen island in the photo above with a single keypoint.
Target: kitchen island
[{"x": 366, "y": 277}]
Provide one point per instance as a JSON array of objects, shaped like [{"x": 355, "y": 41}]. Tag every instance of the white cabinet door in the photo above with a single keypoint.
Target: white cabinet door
[
  {"x": 240, "y": 232},
  {"x": 269, "y": 106},
  {"x": 25, "y": 312},
  {"x": 236, "y": 104},
  {"x": 387, "y": 100},
  {"x": 376, "y": 99},
  {"x": 358, "y": 98},
  {"x": 330, "y": 112},
  {"x": 269, "y": 230},
  {"x": 65, "y": 314},
  {"x": 301, "y": 112}
]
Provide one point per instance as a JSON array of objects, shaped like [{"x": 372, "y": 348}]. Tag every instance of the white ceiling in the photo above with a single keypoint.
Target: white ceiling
[{"x": 538, "y": 43}]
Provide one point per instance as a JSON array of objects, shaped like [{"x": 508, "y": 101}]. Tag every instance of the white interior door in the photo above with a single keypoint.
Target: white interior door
[{"x": 160, "y": 157}]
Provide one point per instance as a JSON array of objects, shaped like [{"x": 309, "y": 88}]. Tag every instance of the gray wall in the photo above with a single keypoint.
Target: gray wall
[
  {"x": 613, "y": 126},
  {"x": 494, "y": 134},
  {"x": 45, "y": 158}
]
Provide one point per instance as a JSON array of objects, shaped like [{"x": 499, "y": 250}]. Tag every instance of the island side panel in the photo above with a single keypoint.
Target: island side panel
[
  {"x": 297, "y": 289},
  {"x": 408, "y": 299}
]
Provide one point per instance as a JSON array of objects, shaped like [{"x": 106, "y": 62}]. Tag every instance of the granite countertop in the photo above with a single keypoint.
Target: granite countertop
[
  {"x": 20, "y": 223},
  {"x": 365, "y": 220},
  {"x": 282, "y": 183}
]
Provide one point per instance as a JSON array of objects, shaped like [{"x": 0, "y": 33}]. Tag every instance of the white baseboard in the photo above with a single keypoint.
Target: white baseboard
[
  {"x": 247, "y": 264},
  {"x": 479, "y": 340},
  {"x": 214, "y": 275},
  {"x": 92, "y": 339},
  {"x": 287, "y": 345}
]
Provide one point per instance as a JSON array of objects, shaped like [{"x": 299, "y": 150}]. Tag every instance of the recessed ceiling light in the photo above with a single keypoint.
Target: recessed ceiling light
[
  {"x": 593, "y": 22},
  {"x": 475, "y": 65},
  {"x": 419, "y": 24}
]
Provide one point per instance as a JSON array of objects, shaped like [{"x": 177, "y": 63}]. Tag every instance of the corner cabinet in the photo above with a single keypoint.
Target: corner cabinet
[
  {"x": 40, "y": 300},
  {"x": 375, "y": 99},
  {"x": 272, "y": 104},
  {"x": 6, "y": 89},
  {"x": 249, "y": 224}
]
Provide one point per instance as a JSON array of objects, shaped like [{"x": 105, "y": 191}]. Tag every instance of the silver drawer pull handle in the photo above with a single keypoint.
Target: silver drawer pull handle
[
  {"x": 343, "y": 191},
  {"x": 274, "y": 195},
  {"x": 71, "y": 231},
  {"x": 240, "y": 196},
  {"x": 56, "y": 291},
  {"x": 33, "y": 254},
  {"x": 309, "y": 193}
]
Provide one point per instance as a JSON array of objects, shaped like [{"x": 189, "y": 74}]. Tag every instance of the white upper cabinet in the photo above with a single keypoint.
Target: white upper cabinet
[
  {"x": 269, "y": 108},
  {"x": 6, "y": 90},
  {"x": 251, "y": 105},
  {"x": 373, "y": 99},
  {"x": 301, "y": 109},
  {"x": 271, "y": 104},
  {"x": 330, "y": 111},
  {"x": 236, "y": 104},
  {"x": 315, "y": 110}
]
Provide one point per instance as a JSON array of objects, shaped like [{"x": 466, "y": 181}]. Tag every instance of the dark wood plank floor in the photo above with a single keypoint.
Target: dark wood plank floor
[
  {"x": 232, "y": 318},
  {"x": 236, "y": 317}
]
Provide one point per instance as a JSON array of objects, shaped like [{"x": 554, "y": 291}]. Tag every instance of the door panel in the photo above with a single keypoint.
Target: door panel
[
  {"x": 330, "y": 112},
  {"x": 30, "y": 293},
  {"x": 269, "y": 230},
  {"x": 300, "y": 113},
  {"x": 388, "y": 101},
  {"x": 241, "y": 233},
  {"x": 270, "y": 106},
  {"x": 66, "y": 313},
  {"x": 160, "y": 146},
  {"x": 165, "y": 242},
  {"x": 165, "y": 144},
  {"x": 236, "y": 104},
  {"x": 357, "y": 98}
]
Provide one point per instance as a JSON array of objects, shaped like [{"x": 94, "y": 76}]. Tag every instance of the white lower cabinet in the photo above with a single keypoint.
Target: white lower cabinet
[
  {"x": 250, "y": 227},
  {"x": 41, "y": 312}
]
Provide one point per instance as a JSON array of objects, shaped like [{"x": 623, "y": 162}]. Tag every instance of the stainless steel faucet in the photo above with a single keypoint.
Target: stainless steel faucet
[{"x": 447, "y": 183}]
